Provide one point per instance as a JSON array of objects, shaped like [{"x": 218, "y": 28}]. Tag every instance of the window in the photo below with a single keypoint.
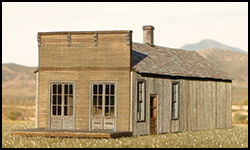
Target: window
[
  {"x": 175, "y": 100},
  {"x": 103, "y": 99},
  {"x": 62, "y": 99},
  {"x": 141, "y": 101}
]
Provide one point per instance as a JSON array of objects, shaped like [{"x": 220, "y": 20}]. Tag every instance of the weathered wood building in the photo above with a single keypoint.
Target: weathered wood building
[{"x": 101, "y": 80}]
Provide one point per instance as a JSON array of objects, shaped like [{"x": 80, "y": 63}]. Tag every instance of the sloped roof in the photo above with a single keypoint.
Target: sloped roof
[{"x": 173, "y": 62}]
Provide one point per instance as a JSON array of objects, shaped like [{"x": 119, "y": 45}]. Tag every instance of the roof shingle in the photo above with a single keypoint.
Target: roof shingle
[{"x": 173, "y": 62}]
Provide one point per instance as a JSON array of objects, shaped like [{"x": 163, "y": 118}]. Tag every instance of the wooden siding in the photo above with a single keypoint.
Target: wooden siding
[
  {"x": 204, "y": 104},
  {"x": 111, "y": 51},
  {"x": 83, "y": 62},
  {"x": 153, "y": 86}
]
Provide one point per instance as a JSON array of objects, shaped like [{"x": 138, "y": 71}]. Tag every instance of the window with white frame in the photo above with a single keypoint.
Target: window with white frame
[
  {"x": 103, "y": 99},
  {"x": 62, "y": 99}
]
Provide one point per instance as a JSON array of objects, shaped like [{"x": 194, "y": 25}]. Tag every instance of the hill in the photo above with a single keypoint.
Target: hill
[
  {"x": 208, "y": 43},
  {"x": 232, "y": 62},
  {"x": 18, "y": 82}
]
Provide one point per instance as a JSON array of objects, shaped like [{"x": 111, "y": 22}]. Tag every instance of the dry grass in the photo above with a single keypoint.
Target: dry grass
[{"x": 232, "y": 137}]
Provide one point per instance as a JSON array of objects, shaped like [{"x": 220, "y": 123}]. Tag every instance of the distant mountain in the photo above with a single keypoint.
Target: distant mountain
[
  {"x": 208, "y": 43},
  {"x": 229, "y": 59},
  {"x": 18, "y": 82},
  {"x": 232, "y": 62}
]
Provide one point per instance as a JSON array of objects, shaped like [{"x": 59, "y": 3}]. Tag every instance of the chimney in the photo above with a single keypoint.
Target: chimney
[{"x": 148, "y": 35}]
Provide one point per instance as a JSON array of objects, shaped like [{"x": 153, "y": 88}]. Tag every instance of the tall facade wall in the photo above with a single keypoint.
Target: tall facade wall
[{"x": 104, "y": 58}]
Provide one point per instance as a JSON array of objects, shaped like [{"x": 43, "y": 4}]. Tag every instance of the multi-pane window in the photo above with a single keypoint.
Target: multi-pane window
[
  {"x": 141, "y": 101},
  {"x": 175, "y": 100},
  {"x": 109, "y": 99},
  {"x": 103, "y": 99},
  {"x": 62, "y": 99},
  {"x": 68, "y": 100},
  {"x": 97, "y": 99}
]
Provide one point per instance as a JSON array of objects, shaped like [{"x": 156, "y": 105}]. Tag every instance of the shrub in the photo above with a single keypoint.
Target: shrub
[
  {"x": 14, "y": 115},
  {"x": 239, "y": 118},
  {"x": 240, "y": 102},
  {"x": 244, "y": 101}
]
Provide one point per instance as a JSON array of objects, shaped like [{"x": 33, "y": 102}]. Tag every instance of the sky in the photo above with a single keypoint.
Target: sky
[{"x": 176, "y": 23}]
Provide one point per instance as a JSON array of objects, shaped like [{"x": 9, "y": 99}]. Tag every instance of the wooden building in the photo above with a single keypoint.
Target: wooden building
[{"x": 101, "y": 80}]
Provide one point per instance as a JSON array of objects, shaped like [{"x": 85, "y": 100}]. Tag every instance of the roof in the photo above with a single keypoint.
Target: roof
[{"x": 173, "y": 62}]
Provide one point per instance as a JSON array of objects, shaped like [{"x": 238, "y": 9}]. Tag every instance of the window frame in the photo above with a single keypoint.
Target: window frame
[
  {"x": 50, "y": 105},
  {"x": 62, "y": 94},
  {"x": 178, "y": 99},
  {"x": 91, "y": 102},
  {"x": 103, "y": 96},
  {"x": 137, "y": 100}
]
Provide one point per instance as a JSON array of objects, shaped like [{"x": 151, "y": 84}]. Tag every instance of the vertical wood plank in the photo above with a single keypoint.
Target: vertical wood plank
[
  {"x": 194, "y": 88},
  {"x": 223, "y": 105},
  {"x": 212, "y": 105},
  {"x": 198, "y": 105},
  {"x": 164, "y": 106},
  {"x": 205, "y": 106},
  {"x": 190, "y": 103},
  {"x": 218, "y": 104},
  {"x": 210, "y": 102},
  {"x": 229, "y": 105},
  {"x": 182, "y": 110},
  {"x": 202, "y": 105},
  {"x": 168, "y": 101},
  {"x": 159, "y": 104}
]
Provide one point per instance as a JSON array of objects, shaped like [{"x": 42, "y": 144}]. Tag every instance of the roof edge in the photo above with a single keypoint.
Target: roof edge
[
  {"x": 87, "y": 32},
  {"x": 182, "y": 76}
]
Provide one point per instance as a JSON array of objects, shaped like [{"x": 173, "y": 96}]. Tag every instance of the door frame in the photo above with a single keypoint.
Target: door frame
[
  {"x": 155, "y": 96},
  {"x": 91, "y": 102},
  {"x": 74, "y": 100}
]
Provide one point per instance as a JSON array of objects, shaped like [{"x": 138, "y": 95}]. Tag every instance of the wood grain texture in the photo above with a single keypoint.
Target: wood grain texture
[
  {"x": 83, "y": 62},
  {"x": 71, "y": 133},
  {"x": 204, "y": 104}
]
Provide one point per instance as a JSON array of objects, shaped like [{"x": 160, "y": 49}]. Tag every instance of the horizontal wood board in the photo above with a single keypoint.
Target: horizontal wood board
[{"x": 71, "y": 133}]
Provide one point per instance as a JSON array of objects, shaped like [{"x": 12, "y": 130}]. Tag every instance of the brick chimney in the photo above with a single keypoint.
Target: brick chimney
[{"x": 148, "y": 34}]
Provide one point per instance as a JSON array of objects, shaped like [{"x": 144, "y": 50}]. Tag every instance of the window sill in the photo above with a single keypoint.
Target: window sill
[{"x": 138, "y": 121}]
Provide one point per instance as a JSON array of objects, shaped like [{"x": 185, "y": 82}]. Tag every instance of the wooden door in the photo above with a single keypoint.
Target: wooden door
[{"x": 153, "y": 114}]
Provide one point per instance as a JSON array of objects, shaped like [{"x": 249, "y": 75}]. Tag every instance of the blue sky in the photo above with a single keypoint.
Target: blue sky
[{"x": 176, "y": 23}]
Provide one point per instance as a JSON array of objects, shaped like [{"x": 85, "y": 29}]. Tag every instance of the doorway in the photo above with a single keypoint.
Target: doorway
[
  {"x": 103, "y": 106},
  {"x": 62, "y": 105},
  {"x": 153, "y": 114}
]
